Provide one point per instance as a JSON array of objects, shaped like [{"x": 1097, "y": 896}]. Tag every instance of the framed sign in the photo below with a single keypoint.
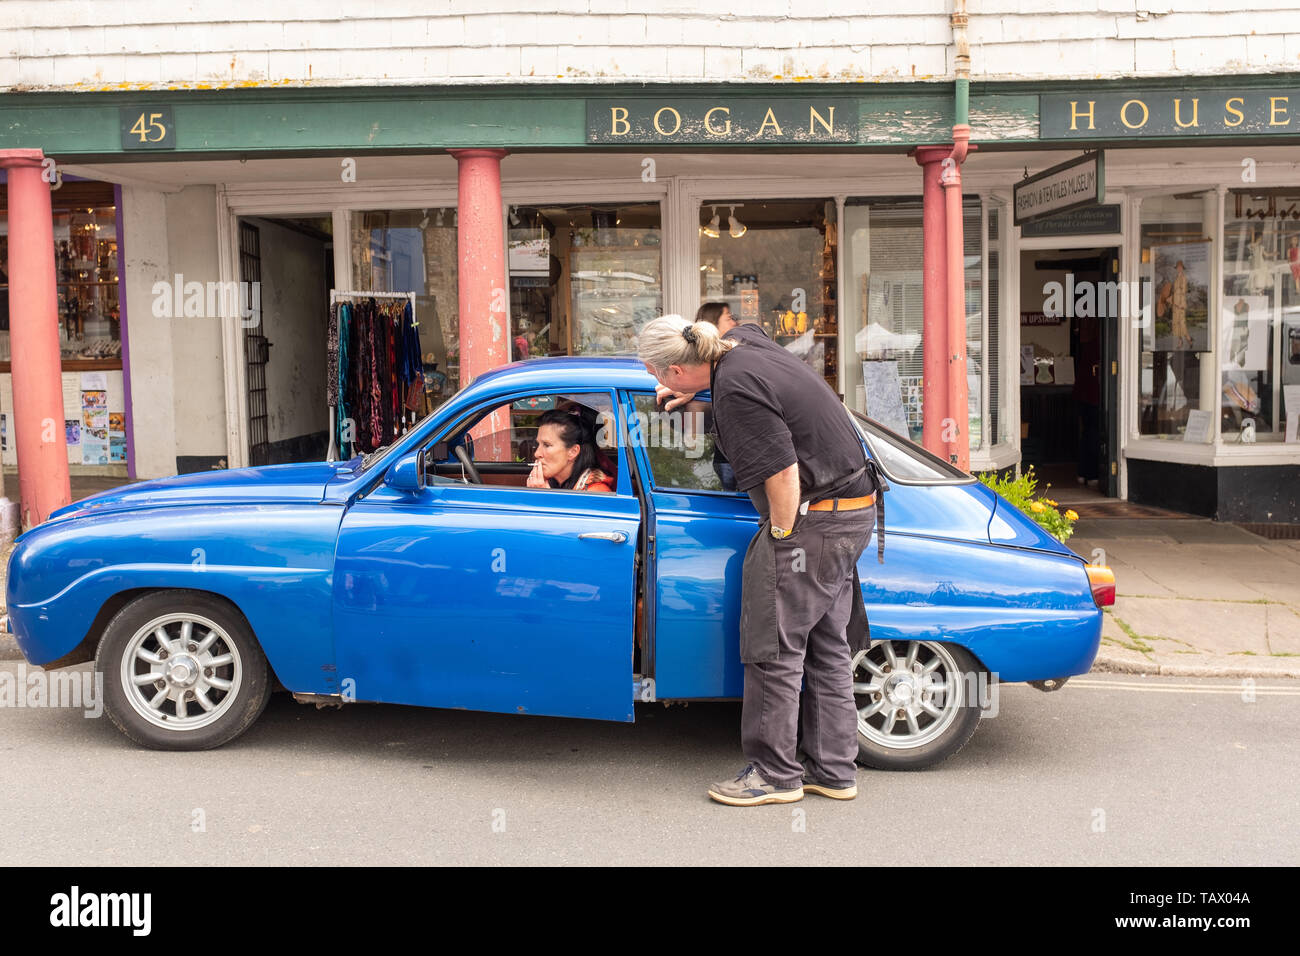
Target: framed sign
[{"x": 1079, "y": 182}]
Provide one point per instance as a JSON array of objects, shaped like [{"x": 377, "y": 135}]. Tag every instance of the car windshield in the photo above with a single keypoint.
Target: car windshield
[
  {"x": 370, "y": 458},
  {"x": 902, "y": 459}
]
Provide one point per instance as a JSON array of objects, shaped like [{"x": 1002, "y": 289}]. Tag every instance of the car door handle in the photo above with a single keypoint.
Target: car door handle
[{"x": 618, "y": 537}]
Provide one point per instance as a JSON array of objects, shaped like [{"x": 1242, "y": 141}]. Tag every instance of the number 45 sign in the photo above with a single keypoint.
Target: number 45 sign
[{"x": 148, "y": 127}]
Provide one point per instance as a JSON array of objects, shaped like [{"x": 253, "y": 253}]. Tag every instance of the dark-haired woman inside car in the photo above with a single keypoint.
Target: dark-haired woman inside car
[{"x": 566, "y": 456}]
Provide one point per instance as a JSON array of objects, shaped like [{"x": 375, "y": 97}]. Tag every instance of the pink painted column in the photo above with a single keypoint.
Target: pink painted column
[
  {"x": 934, "y": 297},
  {"x": 481, "y": 281},
  {"x": 958, "y": 445},
  {"x": 37, "y": 414}
]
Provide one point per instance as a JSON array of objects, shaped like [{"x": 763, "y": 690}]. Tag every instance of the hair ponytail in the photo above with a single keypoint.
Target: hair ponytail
[{"x": 672, "y": 340}]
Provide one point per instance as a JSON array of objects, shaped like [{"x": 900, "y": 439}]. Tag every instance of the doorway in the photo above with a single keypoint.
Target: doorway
[
  {"x": 1070, "y": 308},
  {"x": 286, "y": 325}
]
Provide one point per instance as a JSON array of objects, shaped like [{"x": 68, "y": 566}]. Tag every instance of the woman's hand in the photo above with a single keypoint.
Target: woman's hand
[{"x": 535, "y": 478}]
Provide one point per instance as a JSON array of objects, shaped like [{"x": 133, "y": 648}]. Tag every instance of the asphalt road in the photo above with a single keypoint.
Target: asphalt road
[{"x": 1110, "y": 770}]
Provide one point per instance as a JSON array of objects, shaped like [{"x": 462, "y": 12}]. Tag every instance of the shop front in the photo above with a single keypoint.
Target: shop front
[
  {"x": 87, "y": 239},
  {"x": 1143, "y": 346}
]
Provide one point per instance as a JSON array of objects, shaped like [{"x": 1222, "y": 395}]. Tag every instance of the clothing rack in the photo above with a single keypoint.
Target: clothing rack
[
  {"x": 337, "y": 294},
  {"x": 340, "y": 295}
]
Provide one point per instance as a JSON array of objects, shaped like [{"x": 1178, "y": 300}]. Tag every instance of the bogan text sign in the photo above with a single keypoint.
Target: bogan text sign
[
  {"x": 806, "y": 120},
  {"x": 1221, "y": 112}
]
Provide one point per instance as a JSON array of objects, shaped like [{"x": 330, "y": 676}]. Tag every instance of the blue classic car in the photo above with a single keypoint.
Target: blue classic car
[{"x": 427, "y": 573}]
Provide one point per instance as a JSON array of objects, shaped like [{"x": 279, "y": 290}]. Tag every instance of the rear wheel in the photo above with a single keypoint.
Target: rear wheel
[
  {"x": 917, "y": 701},
  {"x": 182, "y": 671}
]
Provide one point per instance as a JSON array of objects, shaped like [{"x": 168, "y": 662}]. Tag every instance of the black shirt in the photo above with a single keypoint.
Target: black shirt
[
  {"x": 771, "y": 410},
  {"x": 748, "y": 332}
]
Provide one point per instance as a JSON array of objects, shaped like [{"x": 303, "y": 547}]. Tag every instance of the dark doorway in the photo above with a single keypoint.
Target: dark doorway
[
  {"x": 286, "y": 325},
  {"x": 1070, "y": 308}
]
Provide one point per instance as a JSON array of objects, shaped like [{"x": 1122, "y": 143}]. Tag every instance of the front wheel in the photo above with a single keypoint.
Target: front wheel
[
  {"x": 918, "y": 702},
  {"x": 182, "y": 671}
]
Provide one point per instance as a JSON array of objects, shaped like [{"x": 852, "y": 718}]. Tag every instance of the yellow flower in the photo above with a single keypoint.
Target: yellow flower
[
  {"x": 1071, "y": 515},
  {"x": 1037, "y": 507},
  {"x": 1050, "y": 502}
]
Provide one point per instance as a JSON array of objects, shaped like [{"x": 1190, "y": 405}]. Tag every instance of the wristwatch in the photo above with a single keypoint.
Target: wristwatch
[{"x": 780, "y": 533}]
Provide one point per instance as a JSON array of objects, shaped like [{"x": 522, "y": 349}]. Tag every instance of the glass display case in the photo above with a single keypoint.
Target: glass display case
[{"x": 85, "y": 271}]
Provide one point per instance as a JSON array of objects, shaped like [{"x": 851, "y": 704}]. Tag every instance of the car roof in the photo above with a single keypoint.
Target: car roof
[{"x": 568, "y": 372}]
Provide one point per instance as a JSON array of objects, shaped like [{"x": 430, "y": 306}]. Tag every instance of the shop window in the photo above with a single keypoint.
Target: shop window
[
  {"x": 85, "y": 271},
  {"x": 414, "y": 250},
  {"x": 1259, "y": 335},
  {"x": 584, "y": 279},
  {"x": 774, "y": 262},
  {"x": 886, "y": 320},
  {"x": 1174, "y": 322}
]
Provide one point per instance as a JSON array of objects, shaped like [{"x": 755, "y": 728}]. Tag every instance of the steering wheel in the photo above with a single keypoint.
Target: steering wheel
[{"x": 465, "y": 461}]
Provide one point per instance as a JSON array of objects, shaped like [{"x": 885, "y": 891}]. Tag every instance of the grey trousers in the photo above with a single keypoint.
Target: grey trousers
[{"x": 814, "y": 591}]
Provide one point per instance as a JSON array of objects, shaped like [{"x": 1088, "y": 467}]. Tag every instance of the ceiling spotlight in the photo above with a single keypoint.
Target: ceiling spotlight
[
  {"x": 738, "y": 228},
  {"x": 712, "y": 230},
  {"x": 424, "y": 223}
]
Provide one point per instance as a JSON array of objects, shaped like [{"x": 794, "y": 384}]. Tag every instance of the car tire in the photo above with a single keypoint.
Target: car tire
[
  {"x": 182, "y": 670},
  {"x": 918, "y": 702}
]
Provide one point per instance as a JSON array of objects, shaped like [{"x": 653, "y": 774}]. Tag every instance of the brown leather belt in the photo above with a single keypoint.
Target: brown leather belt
[{"x": 843, "y": 504}]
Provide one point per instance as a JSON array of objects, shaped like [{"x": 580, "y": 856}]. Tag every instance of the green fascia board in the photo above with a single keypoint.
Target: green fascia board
[
  {"x": 286, "y": 121},
  {"x": 293, "y": 121}
]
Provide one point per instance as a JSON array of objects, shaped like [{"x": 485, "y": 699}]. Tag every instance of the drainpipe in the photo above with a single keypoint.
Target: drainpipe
[
  {"x": 956, "y": 432},
  {"x": 934, "y": 301}
]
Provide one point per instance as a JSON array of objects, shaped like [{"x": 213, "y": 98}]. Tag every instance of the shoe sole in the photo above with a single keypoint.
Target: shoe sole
[
  {"x": 789, "y": 796},
  {"x": 835, "y": 793}
]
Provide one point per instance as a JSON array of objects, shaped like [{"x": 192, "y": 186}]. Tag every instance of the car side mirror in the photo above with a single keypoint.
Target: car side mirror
[{"x": 407, "y": 474}]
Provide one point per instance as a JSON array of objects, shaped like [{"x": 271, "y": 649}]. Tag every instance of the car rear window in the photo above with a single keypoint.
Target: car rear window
[{"x": 904, "y": 460}]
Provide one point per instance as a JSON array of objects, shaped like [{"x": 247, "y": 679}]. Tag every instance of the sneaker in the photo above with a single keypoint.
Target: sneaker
[
  {"x": 828, "y": 790},
  {"x": 749, "y": 789}
]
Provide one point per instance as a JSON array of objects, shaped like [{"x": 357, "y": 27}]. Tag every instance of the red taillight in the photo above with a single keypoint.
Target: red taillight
[{"x": 1102, "y": 581}]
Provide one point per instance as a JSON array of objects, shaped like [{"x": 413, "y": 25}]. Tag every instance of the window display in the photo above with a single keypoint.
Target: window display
[
  {"x": 884, "y": 255},
  {"x": 1259, "y": 312},
  {"x": 774, "y": 262},
  {"x": 1174, "y": 319},
  {"x": 584, "y": 279},
  {"x": 85, "y": 273},
  {"x": 414, "y": 250}
]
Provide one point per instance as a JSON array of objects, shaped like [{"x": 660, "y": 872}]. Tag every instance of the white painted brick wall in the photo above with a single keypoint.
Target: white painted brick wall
[{"x": 114, "y": 44}]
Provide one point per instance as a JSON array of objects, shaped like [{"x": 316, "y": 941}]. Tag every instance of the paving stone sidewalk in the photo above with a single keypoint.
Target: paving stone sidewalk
[{"x": 1196, "y": 598}]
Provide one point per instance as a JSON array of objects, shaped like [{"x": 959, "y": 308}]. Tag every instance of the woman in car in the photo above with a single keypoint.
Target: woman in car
[{"x": 566, "y": 455}]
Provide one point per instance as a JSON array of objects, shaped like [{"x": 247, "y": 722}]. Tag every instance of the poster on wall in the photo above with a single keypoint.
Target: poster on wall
[
  {"x": 1244, "y": 327},
  {"x": 94, "y": 418},
  {"x": 116, "y": 437},
  {"x": 884, "y": 393},
  {"x": 1180, "y": 278},
  {"x": 94, "y": 446}
]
